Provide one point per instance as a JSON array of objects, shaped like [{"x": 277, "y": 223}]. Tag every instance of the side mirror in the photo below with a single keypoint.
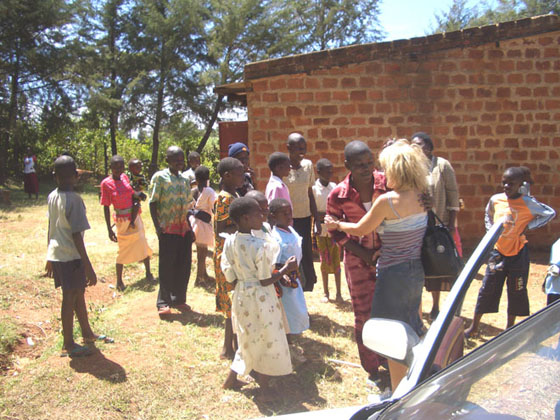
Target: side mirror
[{"x": 390, "y": 338}]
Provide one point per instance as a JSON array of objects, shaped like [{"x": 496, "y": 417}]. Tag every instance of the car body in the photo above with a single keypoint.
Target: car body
[{"x": 516, "y": 375}]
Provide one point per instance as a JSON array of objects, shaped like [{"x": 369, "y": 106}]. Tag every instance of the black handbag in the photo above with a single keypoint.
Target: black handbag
[
  {"x": 439, "y": 255},
  {"x": 201, "y": 215}
]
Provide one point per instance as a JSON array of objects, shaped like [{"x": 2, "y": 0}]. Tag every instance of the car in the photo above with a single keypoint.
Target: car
[{"x": 516, "y": 375}]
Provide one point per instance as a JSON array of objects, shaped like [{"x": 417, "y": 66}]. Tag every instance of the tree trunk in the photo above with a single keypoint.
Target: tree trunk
[
  {"x": 210, "y": 124},
  {"x": 12, "y": 119},
  {"x": 113, "y": 117},
  {"x": 159, "y": 113}
]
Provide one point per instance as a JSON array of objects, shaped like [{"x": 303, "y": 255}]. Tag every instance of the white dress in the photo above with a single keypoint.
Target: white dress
[
  {"x": 256, "y": 313},
  {"x": 204, "y": 232}
]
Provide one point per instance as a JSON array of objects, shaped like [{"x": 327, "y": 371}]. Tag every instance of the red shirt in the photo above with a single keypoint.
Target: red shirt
[{"x": 116, "y": 193}]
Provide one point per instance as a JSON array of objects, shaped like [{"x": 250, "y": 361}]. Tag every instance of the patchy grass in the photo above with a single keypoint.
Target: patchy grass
[{"x": 158, "y": 368}]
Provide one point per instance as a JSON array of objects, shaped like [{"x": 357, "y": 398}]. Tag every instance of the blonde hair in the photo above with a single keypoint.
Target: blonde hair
[{"x": 405, "y": 165}]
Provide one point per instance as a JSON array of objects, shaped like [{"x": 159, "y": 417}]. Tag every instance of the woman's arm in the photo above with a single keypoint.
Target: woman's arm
[
  {"x": 107, "y": 213},
  {"x": 367, "y": 224}
]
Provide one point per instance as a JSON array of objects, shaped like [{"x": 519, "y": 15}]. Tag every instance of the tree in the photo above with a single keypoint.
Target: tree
[{"x": 31, "y": 64}]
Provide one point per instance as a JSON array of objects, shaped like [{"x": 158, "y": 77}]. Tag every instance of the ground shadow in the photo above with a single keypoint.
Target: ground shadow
[
  {"x": 196, "y": 318},
  {"x": 100, "y": 367},
  {"x": 143, "y": 284},
  {"x": 326, "y": 327}
]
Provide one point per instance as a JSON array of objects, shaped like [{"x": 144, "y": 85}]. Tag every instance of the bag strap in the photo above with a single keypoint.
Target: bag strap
[{"x": 432, "y": 218}]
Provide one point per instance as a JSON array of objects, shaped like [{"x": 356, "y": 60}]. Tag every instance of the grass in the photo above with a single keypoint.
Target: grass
[{"x": 156, "y": 369}]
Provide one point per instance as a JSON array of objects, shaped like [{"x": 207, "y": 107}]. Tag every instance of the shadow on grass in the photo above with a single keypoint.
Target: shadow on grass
[
  {"x": 196, "y": 318},
  {"x": 144, "y": 285},
  {"x": 99, "y": 366},
  {"x": 326, "y": 327}
]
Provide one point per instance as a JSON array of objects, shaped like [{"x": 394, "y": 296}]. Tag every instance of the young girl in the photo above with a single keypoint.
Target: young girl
[
  {"x": 231, "y": 171},
  {"x": 247, "y": 262},
  {"x": 201, "y": 222},
  {"x": 293, "y": 299}
]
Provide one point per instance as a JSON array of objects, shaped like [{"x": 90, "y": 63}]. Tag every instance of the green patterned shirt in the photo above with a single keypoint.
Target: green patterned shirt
[{"x": 173, "y": 197}]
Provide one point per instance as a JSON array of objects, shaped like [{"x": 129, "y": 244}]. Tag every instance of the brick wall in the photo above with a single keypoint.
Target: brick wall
[{"x": 490, "y": 98}]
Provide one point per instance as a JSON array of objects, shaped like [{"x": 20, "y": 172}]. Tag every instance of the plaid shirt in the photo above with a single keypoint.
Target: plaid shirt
[{"x": 173, "y": 197}]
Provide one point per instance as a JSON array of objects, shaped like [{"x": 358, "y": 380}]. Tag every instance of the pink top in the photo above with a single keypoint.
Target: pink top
[
  {"x": 277, "y": 189},
  {"x": 117, "y": 193}
]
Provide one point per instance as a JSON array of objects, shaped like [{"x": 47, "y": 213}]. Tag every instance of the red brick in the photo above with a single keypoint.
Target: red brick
[
  {"x": 293, "y": 111},
  {"x": 367, "y": 81},
  {"x": 366, "y": 131},
  {"x": 340, "y": 95},
  {"x": 520, "y": 155},
  {"x": 321, "y": 121},
  {"x": 551, "y": 52},
  {"x": 322, "y": 96},
  {"x": 460, "y": 131},
  {"x": 383, "y": 107},
  {"x": 312, "y": 83},
  {"x": 515, "y": 78},
  {"x": 365, "y": 108},
  {"x": 543, "y": 91},
  {"x": 358, "y": 95},
  {"x": 494, "y": 54},
  {"x": 305, "y": 96},
  {"x": 542, "y": 65},
  {"x": 357, "y": 121},
  {"x": 329, "y": 133},
  {"x": 503, "y": 129},
  {"x": 288, "y": 97},
  {"x": 347, "y": 131},
  {"x": 524, "y": 65},
  {"x": 483, "y": 93},
  {"x": 329, "y": 110},
  {"x": 506, "y": 65},
  {"x": 259, "y": 85},
  {"x": 384, "y": 132},
  {"x": 514, "y": 53},
  {"x": 375, "y": 95},
  {"x": 348, "y": 82},
  {"x": 392, "y": 67},
  {"x": 268, "y": 124},
  {"x": 490, "y": 143},
  {"x": 495, "y": 78},
  {"x": 348, "y": 109},
  {"x": 529, "y": 104},
  {"x": 395, "y": 120},
  {"x": 311, "y": 110},
  {"x": 458, "y": 79},
  {"x": 533, "y": 78},
  {"x": 302, "y": 121},
  {"x": 330, "y": 82},
  {"x": 376, "y": 120},
  {"x": 278, "y": 84},
  {"x": 488, "y": 117},
  {"x": 270, "y": 97},
  {"x": 340, "y": 121},
  {"x": 473, "y": 143}
]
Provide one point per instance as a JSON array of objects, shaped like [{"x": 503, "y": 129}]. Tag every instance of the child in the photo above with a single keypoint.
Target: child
[
  {"x": 193, "y": 160},
  {"x": 279, "y": 165},
  {"x": 247, "y": 263},
  {"x": 349, "y": 201},
  {"x": 170, "y": 200},
  {"x": 133, "y": 246},
  {"x": 263, "y": 203},
  {"x": 509, "y": 260},
  {"x": 231, "y": 171},
  {"x": 139, "y": 184},
  {"x": 328, "y": 250},
  {"x": 201, "y": 222},
  {"x": 67, "y": 259},
  {"x": 240, "y": 152},
  {"x": 300, "y": 180},
  {"x": 293, "y": 299}
]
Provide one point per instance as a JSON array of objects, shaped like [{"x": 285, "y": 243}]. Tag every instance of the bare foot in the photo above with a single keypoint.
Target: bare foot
[
  {"x": 150, "y": 278},
  {"x": 470, "y": 333},
  {"x": 121, "y": 286},
  {"x": 227, "y": 355},
  {"x": 233, "y": 383},
  {"x": 339, "y": 299}
]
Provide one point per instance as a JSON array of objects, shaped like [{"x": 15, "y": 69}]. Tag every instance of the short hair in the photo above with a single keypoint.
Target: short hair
[
  {"x": 193, "y": 155},
  {"x": 228, "y": 164},
  {"x": 517, "y": 172},
  {"x": 276, "y": 159},
  {"x": 241, "y": 206},
  {"x": 527, "y": 175},
  {"x": 115, "y": 159},
  {"x": 257, "y": 195},
  {"x": 173, "y": 150},
  {"x": 323, "y": 163},
  {"x": 64, "y": 166},
  {"x": 425, "y": 138},
  {"x": 134, "y": 161},
  {"x": 355, "y": 148},
  {"x": 294, "y": 138},
  {"x": 406, "y": 166},
  {"x": 277, "y": 204},
  {"x": 202, "y": 173}
]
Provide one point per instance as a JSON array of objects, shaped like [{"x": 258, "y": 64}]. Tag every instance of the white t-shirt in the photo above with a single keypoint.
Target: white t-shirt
[
  {"x": 299, "y": 181},
  {"x": 321, "y": 194},
  {"x": 67, "y": 215}
]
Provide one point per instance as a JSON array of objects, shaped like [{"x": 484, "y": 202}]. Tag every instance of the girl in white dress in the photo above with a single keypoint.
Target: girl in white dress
[
  {"x": 202, "y": 223},
  {"x": 248, "y": 262}
]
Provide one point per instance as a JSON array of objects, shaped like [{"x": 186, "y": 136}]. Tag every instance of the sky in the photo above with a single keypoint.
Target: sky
[{"x": 402, "y": 19}]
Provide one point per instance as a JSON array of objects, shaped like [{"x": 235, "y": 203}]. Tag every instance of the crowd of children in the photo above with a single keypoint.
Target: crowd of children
[{"x": 262, "y": 243}]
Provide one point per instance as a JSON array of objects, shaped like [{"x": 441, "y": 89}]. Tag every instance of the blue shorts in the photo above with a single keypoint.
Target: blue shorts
[
  {"x": 398, "y": 293},
  {"x": 69, "y": 274},
  {"x": 515, "y": 270}
]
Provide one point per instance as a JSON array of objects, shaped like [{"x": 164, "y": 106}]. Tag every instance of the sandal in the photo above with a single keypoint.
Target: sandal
[
  {"x": 102, "y": 337},
  {"x": 77, "y": 351}
]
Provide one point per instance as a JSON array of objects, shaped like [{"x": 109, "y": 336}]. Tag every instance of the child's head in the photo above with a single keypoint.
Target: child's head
[
  {"x": 135, "y": 166},
  {"x": 202, "y": 175},
  {"x": 297, "y": 147},
  {"x": 175, "y": 158},
  {"x": 231, "y": 170},
  {"x": 406, "y": 166},
  {"x": 425, "y": 142},
  {"x": 193, "y": 159},
  {"x": 65, "y": 172},
  {"x": 512, "y": 179},
  {"x": 526, "y": 175},
  {"x": 324, "y": 170},
  {"x": 279, "y": 164},
  {"x": 280, "y": 212},
  {"x": 261, "y": 199},
  {"x": 358, "y": 159},
  {"x": 240, "y": 151},
  {"x": 246, "y": 213},
  {"x": 117, "y": 166}
]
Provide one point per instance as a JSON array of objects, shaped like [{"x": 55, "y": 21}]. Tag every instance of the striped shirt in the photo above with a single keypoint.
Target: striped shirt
[{"x": 401, "y": 239}]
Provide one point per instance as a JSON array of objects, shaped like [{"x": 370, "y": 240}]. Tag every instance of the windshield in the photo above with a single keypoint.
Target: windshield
[{"x": 515, "y": 376}]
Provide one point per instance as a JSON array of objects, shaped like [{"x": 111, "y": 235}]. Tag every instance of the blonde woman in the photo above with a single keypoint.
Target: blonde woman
[{"x": 400, "y": 220}]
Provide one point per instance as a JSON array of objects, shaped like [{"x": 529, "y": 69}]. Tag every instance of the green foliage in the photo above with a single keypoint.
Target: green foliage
[{"x": 8, "y": 335}]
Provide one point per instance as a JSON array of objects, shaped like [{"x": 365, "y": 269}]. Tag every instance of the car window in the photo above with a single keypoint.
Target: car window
[{"x": 516, "y": 375}]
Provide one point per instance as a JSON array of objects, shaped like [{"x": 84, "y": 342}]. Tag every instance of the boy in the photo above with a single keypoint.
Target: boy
[
  {"x": 299, "y": 181},
  {"x": 279, "y": 165},
  {"x": 349, "y": 201},
  {"x": 231, "y": 170},
  {"x": 138, "y": 183},
  {"x": 509, "y": 260},
  {"x": 67, "y": 259},
  {"x": 328, "y": 250},
  {"x": 170, "y": 199},
  {"x": 240, "y": 152},
  {"x": 193, "y": 160}
]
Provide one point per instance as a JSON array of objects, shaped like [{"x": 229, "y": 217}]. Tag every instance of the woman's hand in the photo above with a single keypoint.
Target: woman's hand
[
  {"x": 291, "y": 264},
  {"x": 112, "y": 235},
  {"x": 331, "y": 222}
]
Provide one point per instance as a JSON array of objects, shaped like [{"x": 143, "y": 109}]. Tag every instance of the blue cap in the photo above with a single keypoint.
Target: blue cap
[{"x": 236, "y": 148}]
